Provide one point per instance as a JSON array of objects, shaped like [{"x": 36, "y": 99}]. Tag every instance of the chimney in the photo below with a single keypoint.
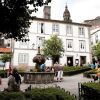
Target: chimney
[{"x": 47, "y": 12}]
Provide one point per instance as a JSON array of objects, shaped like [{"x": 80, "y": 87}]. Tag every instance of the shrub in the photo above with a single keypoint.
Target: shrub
[
  {"x": 38, "y": 94},
  {"x": 75, "y": 70},
  {"x": 3, "y": 73},
  {"x": 21, "y": 69},
  {"x": 51, "y": 94},
  {"x": 12, "y": 96},
  {"x": 88, "y": 73},
  {"x": 90, "y": 91},
  {"x": 95, "y": 86}
]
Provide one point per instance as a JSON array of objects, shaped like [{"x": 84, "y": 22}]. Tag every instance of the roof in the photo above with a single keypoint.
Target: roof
[
  {"x": 61, "y": 21},
  {"x": 95, "y": 31},
  {"x": 5, "y": 50}
]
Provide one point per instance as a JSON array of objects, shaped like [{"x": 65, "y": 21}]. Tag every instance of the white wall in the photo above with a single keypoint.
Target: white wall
[
  {"x": 93, "y": 35},
  {"x": 33, "y": 33}
]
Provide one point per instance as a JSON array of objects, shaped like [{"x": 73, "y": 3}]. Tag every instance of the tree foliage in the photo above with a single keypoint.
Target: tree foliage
[
  {"x": 96, "y": 50},
  {"x": 53, "y": 48},
  {"x": 5, "y": 57},
  {"x": 15, "y": 16}
]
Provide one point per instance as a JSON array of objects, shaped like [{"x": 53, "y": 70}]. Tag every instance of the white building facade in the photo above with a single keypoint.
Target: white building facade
[
  {"x": 75, "y": 37},
  {"x": 95, "y": 36}
]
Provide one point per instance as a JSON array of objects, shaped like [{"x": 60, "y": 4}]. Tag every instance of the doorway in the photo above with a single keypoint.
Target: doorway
[
  {"x": 70, "y": 61},
  {"x": 82, "y": 60}
]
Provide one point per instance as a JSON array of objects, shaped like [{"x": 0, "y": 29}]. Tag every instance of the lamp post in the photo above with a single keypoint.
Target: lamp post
[{"x": 33, "y": 46}]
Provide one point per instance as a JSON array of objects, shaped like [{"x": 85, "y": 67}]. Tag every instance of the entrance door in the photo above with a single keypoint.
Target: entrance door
[
  {"x": 70, "y": 61},
  {"x": 82, "y": 60}
]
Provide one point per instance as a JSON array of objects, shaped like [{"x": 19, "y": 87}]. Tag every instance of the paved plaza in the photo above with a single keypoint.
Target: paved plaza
[{"x": 69, "y": 83}]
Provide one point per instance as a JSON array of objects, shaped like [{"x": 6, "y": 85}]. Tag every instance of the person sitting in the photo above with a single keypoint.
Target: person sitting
[
  {"x": 17, "y": 77},
  {"x": 52, "y": 69},
  {"x": 47, "y": 69},
  {"x": 11, "y": 82},
  {"x": 42, "y": 67},
  {"x": 95, "y": 77},
  {"x": 93, "y": 66}
]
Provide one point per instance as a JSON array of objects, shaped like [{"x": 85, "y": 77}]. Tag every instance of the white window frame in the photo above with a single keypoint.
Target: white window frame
[
  {"x": 96, "y": 38},
  {"x": 69, "y": 44},
  {"x": 23, "y": 58},
  {"x": 81, "y": 32},
  {"x": 91, "y": 39},
  {"x": 69, "y": 30},
  {"x": 41, "y": 27},
  {"x": 82, "y": 45},
  {"x": 40, "y": 41},
  {"x": 55, "y": 28}
]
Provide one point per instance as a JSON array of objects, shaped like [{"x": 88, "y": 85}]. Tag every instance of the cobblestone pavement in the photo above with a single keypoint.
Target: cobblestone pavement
[{"x": 69, "y": 83}]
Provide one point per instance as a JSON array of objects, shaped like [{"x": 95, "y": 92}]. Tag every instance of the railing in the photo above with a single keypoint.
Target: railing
[{"x": 87, "y": 93}]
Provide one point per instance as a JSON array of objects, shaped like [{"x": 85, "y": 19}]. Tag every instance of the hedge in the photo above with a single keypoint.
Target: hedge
[
  {"x": 93, "y": 85},
  {"x": 88, "y": 73},
  {"x": 50, "y": 93},
  {"x": 90, "y": 91},
  {"x": 3, "y": 73},
  {"x": 75, "y": 70}
]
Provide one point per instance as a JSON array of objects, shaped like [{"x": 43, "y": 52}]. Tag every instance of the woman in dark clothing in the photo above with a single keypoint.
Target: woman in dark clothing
[{"x": 17, "y": 77}]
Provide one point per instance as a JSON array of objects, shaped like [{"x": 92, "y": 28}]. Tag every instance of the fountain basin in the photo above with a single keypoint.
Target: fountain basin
[{"x": 38, "y": 77}]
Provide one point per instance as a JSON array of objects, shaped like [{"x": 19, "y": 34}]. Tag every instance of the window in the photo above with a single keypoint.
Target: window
[
  {"x": 40, "y": 41},
  {"x": 91, "y": 40},
  {"x": 55, "y": 28},
  {"x": 9, "y": 43},
  {"x": 96, "y": 38},
  {"x": 82, "y": 45},
  {"x": 1, "y": 42},
  {"x": 23, "y": 58},
  {"x": 69, "y": 30},
  {"x": 81, "y": 31},
  {"x": 41, "y": 28},
  {"x": 69, "y": 44}
]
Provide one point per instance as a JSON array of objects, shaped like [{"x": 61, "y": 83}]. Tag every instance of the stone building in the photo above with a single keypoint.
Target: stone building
[{"x": 75, "y": 37}]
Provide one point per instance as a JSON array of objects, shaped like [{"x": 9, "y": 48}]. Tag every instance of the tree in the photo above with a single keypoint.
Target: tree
[
  {"x": 15, "y": 16},
  {"x": 5, "y": 58},
  {"x": 53, "y": 48},
  {"x": 96, "y": 50}
]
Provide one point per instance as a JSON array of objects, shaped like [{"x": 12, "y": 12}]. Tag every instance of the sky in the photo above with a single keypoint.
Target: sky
[{"x": 80, "y": 10}]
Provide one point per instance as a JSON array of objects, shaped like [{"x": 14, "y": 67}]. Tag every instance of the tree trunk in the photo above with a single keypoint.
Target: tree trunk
[{"x": 55, "y": 59}]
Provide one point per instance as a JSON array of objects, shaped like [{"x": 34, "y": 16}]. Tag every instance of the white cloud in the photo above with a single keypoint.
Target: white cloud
[
  {"x": 80, "y": 9},
  {"x": 85, "y": 9}
]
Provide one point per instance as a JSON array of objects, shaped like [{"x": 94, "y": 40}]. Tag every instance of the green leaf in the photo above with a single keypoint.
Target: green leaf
[{"x": 53, "y": 47}]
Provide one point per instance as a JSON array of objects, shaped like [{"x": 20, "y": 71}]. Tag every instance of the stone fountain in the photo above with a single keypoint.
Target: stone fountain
[
  {"x": 38, "y": 77},
  {"x": 39, "y": 60}
]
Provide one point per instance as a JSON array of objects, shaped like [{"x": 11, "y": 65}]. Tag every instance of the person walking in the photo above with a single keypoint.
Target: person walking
[{"x": 59, "y": 71}]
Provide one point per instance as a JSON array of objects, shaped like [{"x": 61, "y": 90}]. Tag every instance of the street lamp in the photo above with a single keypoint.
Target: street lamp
[{"x": 33, "y": 45}]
